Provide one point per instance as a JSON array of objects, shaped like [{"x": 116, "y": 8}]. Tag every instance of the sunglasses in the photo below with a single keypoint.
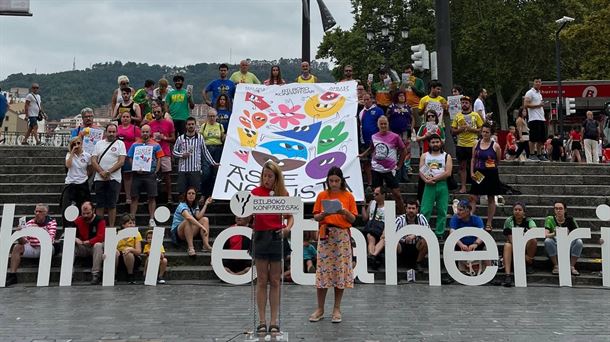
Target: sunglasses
[
  {"x": 75, "y": 144},
  {"x": 35, "y": 87},
  {"x": 157, "y": 111}
]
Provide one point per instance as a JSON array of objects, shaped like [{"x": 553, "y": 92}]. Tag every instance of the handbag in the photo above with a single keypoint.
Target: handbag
[
  {"x": 41, "y": 114},
  {"x": 373, "y": 226},
  {"x": 451, "y": 182}
]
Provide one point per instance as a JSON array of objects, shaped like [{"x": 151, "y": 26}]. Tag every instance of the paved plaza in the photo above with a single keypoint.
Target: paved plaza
[{"x": 215, "y": 312}]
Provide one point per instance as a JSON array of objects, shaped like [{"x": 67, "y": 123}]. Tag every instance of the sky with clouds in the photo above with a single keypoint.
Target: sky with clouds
[{"x": 170, "y": 32}]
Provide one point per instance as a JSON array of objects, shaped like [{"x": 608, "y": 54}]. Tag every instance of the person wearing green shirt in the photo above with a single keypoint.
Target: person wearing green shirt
[
  {"x": 143, "y": 97},
  {"x": 243, "y": 75},
  {"x": 179, "y": 103},
  {"x": 561, "y": 219},
  {"x": 518, "y": 220}
]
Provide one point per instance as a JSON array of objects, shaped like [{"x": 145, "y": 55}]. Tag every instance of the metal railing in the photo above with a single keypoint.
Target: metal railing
[{"x": 46, "y": 139}]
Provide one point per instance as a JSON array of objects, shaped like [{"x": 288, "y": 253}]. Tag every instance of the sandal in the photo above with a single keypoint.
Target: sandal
[
  {"x": 316, "y": 318},
  {"x": 488, "y": 228},
  {"x": 575, "y": 271},
  {"x": 261, "y": 328},
  {"x": 191, "y": 252},
  {"x": 336, "y": 318},
  {"x": 274, "y": 329}
]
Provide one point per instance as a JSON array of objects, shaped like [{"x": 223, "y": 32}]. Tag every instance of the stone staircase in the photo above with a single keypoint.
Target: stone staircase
[{"x": 29, "y": 175}]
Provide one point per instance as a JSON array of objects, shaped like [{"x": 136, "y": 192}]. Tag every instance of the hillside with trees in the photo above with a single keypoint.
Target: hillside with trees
[{"x": 65, "y": 93}]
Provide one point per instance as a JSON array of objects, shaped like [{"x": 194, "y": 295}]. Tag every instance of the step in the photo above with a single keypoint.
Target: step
[
  {"x": 555, "y": 168},
  {"x": 34, "y": 160},
  {"x": 569, "y": 179},
  {"x": 32, "y": 151}
]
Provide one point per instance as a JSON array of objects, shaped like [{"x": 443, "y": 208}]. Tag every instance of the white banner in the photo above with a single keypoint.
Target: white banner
[{"x": 305, "y": 128}]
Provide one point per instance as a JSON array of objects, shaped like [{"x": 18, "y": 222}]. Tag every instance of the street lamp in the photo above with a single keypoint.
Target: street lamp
[
  {"x": 562, "y": 22},
  {"x": 387, "y": 34}
]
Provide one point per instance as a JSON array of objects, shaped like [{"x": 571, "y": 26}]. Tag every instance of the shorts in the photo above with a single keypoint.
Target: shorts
[
  {"x": 379, "y": 178},
  {"x": 2, "y": 117},
  {"x": 107, "y": 193},
  {"x": 166, "y": 164},
  {"x": 188, "y": 179},
  {"x": 123, "y": 268},
  {"x": 463, "y": 153},
  {"x": 33, "y": 252},
  {"x": 180, "y": 127},
  {"x": 32, "y": 121},
  {"x": 537, "y": 131},
  {"x": 268, "y": 245},
  {"x": 126, "y": 168},
  {"x": 576, "y": 146},
  {"x": 144, "y": 182},
  {"x": 509, "y": 231}
]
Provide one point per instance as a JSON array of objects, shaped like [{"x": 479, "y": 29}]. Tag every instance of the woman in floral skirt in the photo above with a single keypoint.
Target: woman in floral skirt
[{"x": 334, "y": 247}]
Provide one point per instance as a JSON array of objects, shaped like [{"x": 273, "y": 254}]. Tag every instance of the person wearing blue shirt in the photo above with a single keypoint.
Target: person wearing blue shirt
[
  {"x": 464, "y": 218},
  {"x": 223, "y": 85},
  {"x": 367, "y": 120},
  {"x": 3, "y": 110}
]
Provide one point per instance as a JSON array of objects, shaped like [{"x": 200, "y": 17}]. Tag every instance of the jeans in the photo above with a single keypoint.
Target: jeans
[{"x": 551, "y": 247}]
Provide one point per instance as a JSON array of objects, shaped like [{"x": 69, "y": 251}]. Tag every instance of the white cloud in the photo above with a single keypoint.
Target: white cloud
[{"x": 177, "y": 32}]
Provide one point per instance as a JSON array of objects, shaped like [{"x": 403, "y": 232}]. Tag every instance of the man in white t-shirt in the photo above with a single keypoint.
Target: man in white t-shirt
[
  {"x": 107, "y": 161},
  {"x": 536, "y": 121},
  {"x": 32, "y": 109},
  {"x": 479, "y": 103}
]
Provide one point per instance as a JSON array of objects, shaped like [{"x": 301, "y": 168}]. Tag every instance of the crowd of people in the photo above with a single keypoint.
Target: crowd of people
[{"x": 153, "y": 127}]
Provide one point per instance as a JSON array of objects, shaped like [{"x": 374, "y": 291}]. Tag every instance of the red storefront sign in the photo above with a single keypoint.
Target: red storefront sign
[{"x": 576, "y": 90}]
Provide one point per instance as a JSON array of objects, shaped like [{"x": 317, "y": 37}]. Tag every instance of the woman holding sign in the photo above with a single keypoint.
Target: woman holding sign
[
  {"x": 484, "y": 172},
  {"x": 335, "y": 210},
  {"x": 269, "y": 247}
]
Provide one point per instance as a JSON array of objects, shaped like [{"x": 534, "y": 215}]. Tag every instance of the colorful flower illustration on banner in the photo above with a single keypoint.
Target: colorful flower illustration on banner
[
  {"x": 305, "y": 133},
  {"x": 318, "y": 167},
  {"x": 286, "y": 116},
  {"x": 247, "y": 137},
  {"x": 324, "y": 105},
  {"x": 290, "y": 149},
  {"x": 257, "y": 100},
  {"x": 285, "y": 164},
  {"x": 330, "y": 137}
]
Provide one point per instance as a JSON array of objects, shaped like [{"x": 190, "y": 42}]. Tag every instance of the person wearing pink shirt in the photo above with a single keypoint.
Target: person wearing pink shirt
[
  {"x": 162, "y": 131},
  {"x": 128, "y": 133}
]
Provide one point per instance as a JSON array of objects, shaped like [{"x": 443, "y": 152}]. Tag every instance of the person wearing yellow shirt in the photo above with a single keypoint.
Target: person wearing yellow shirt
[
  {"x": 243, "y": 75},
  {"x": 467, "y": 126},
  {"x": 128, "y": 250},
  {"x": 306, "y": 76},
  {"x": 163, "y": 261},
  {"x": 213, "y": 134},
  {"x": 434, "y": 101}
]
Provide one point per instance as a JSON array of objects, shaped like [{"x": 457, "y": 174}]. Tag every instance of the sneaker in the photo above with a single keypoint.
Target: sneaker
[
  {"x": 130, "y": 279},
  {"x": 543, "y": 158},
  {"x": 160, "y": 281},
  {"x": 533, "y": 158},
  {"x": 96, "y": 279},
  {"x": 152, "y": 223},
  {"x": 11, "y": 279},
  {"x": 508, "y": 281},
  {"x": 529, "y": 269}
]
